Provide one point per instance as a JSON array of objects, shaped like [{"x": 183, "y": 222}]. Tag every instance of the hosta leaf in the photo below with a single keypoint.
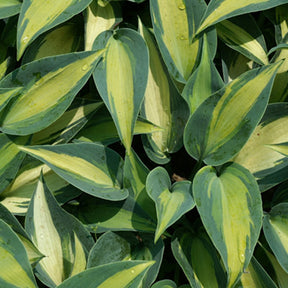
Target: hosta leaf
[
  {"x": 204, "y": 81},
  {"x": 171, "y": 202},
  {"x": 102, "y": 128},
  {"x": 90, "y": 167},
  {"x": 219, "y": 10},
  {"x": 99, "y": 19},
  {"x": 121, "y": 78},
  {"x": 229, "y": 117},
  {"x": 280, "y": 194},
  {"x": 279, "y": 92},
  {"x": 255, "y": 276},
  {"x": 164, "y": 284},
  {"x": 174, "y": 27},
  {"x": 37, "y": 17},
  {"x": 100, "y": 215},
  {"x": 112, "y": 247},
  {"x": 43, "y": 99},
  {"x": 9, "y": 8},
  {"x": 281, "y": 275},
  {"x": 234, "y": 64},
  {"x": 15, "y": 268},
  {"x": 230, "y": 207},
  {"x": 11, "y": 158},
  {"x": 52, "y": 231},
  {"x": 162, "y": 106},
  {"x": 276, "y": 232},
  {"x": 32, "y": 252},
  {"x": 68, "y": 125},
  {"x": 6, "y": 94},
  {"x": 16, "y": 197},
  {"x": 119, "y": 274},
  {"x": 63, "y": 39},
  {"x": 243, "y": 35},
  {"x": 80, "y": 262},
  {"x": 135, "y": 174},
  {"x": 3, "y": 69},
  {"x": 281, "y": 22},
  {"x": 258, "y": 156},
  {"x": 198, "y": 258}
]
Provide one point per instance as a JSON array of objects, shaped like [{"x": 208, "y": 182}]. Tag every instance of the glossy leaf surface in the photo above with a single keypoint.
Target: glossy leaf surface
[
  {"x": 112, "y": 247},
  {"x": 119, "y": 274},
  {"x": 229, "y": 117},
  {"x": 84, "y": 165},
  {"x": 233, "y": 225},
  {"x": 174, "y": 27},
  {"x": 219, "y": 10},
  {"x": 171, "y": 201},
  {"x": 121, "y": 78},
  {"x": 37, "y": 17},
  {"x": 43, "y": 99},
  {"x": 16, "y": 270},
  {"x": 258, "y": 154},
  {"x": 276, "y": 232},
  {"x": 53, "y": 231}
]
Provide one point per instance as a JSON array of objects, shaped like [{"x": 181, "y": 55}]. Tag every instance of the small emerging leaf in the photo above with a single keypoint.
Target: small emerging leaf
[{"x": 171, "y": 202}]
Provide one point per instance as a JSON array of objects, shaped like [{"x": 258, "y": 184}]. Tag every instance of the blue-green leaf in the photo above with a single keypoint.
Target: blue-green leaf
[
  {"x": 172, "y": 201},
  {"x": 222, "y": 124},
  {"x": 91, "y": 167},
  {"x": 121, "y": 78},
  {"x": 230, "y": 206}
]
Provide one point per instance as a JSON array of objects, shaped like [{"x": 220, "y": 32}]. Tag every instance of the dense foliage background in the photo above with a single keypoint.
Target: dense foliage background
[{"x": 143, "y": 143}]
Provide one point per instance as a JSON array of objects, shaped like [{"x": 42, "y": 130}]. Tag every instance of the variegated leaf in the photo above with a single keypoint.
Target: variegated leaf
[
  {"x": 280, "y": 275},
  {"x": 255, "y": 276},
  {"x": 101, "y": 215},
  {"x": 174, "y": 27},
  {"x": 121, "y": 78},
  {"x": 135, "y": 174},
  {"x": 6, "y": 94},
  {"x": 38, "y": 17},
  {"x": 164, "y": 284},
  {"x": 68, "y": 125},
  {"x": 119, "y": 274},
  {"x": 230, "y": 206},
  {"x": 219, "y": 10},
  {"x": 275, "y": 229},
  {"x": 234, "y": 64},
  {"x": 63, "y": 39},
  {"x": 33, "y": 253},
  {"x": 204, "y": 81},
  {"x": 229, "y": 117},
  {"x": 53, "y": 231},
  {"x": 260, "y": 155},
  {"x": 279, "y": 92},
  {"x": 100, "y": 18},
  {"x": 16, "y": 197},
  {"x": 90, "y": 167},
  {"x": 9, "y": 8},
  {"x": 103, "y": 130},
  {"x": 11, "y": 158},
  {"x": 162, "y": 106},
  {"x": 171, "y": 201},
  {"x": 198, "y": 258},
  {"x": 49, "y": 86},
  {"x": 111, "y": 247},
  {"x": 243, "y": 34},
  {"x": 15, "y": 267}
]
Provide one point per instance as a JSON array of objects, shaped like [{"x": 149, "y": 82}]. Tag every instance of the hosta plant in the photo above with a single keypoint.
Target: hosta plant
[{"x": 143, "y": 143}]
